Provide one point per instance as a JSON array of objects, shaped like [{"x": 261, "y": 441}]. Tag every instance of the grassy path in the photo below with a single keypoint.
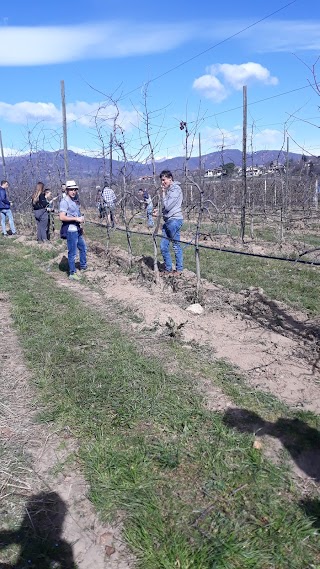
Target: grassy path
[{"x": 193, "y": 492}]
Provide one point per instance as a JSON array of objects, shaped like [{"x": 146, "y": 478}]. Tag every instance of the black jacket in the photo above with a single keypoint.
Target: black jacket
[{"x": 42, "y": 203}]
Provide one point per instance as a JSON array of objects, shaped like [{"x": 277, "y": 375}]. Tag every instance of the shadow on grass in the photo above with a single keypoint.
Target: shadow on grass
[
  {"x": 64, "y": 265},
  {"x": 312, "y": 509},
  {"x": 39, "y": 535},
  {"x": 302, "y": 441}
]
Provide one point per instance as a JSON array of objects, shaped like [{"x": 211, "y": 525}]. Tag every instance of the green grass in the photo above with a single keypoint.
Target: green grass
[
  {"x": 192, "y": 491},
  {"x": 295, "y": 284}
]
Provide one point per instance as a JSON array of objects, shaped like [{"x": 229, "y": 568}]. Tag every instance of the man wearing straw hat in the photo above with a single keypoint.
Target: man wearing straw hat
[{"x": 71, "y": 229}]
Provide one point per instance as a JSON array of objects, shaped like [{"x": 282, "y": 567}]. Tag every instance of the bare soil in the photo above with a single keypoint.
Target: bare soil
[{"x": 276, "y": 348}]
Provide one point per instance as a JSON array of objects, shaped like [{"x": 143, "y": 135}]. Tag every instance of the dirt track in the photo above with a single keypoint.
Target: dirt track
[{"x": 276, "y": 348}]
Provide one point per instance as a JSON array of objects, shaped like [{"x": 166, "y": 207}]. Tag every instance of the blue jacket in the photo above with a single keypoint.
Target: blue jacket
[{"x": 4, "y": 202}]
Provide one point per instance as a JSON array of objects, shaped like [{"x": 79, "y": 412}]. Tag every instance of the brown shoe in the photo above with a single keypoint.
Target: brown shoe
[
  {"x": 165, "y": 273},
  {"x": 177, "y": 273}
]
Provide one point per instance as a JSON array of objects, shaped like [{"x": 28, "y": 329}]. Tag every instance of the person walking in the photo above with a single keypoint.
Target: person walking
[
  {"x": 5, "y": 209},
  {"x": 146, "y": 200},
  {"x": 173, "y": 220},
  {"x": 40, "y": 205},
  {"x": 109, "y": 201},
  {"x": 71, "y": 229}
]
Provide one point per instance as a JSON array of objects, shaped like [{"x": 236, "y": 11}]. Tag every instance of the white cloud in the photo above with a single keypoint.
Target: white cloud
[
  {"x": 238, "y": 75},
  {"x": 210, "y": 87},
  {"x": 286, "y": 36},
  {"x": 269, "y": 36},
  {"x": 80, "y": 111},
  {"x": 27, "y": 111},
  {"x": 45, "y": 45},
  {"x": 85, "y": 151},
  {"x": 12, "y": 152},
  {"x": 268, "y": 139},
  {"x": 215, "y": 138},
  {"x": 61, "y": 44},
  {"x": 235, "y": 76}
]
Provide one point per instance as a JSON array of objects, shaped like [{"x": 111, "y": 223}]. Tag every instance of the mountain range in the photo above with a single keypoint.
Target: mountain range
[{"x": 49, "y": 166}]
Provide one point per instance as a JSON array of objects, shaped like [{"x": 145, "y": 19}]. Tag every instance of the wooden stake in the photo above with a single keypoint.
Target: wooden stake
[
  {"x": 244, "y": 165},
  {"x": 64, "y": 124},
  {"x": 3, "y": 160}
]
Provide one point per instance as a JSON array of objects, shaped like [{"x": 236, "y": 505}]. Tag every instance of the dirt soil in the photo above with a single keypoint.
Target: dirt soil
[
  {"x": 276, "y": 348},
  {"x": 38, "y": 466}
]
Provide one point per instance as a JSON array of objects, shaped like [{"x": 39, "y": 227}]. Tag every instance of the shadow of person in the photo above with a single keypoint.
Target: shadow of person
[
  {"x": 272, "y": 316},
  {"x": 39, "y": 535},
  {"x": 301, "y": 440},
  {"x": 311, "y": 508},
  {"x": 64, "y": 264},
  {"x": 148, "y": 261}
]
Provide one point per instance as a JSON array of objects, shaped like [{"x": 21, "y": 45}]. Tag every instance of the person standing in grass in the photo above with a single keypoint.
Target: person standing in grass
[
  {"x": 109, "y": 201},
  {"x": 50, "y": 210},
  {"x": 173, "y": 220},
  {"x": 146, "y": 200},
  {"x": 40, "y": 205},
  {"x": 71, "y": 229},
  {"x": 5, "y": 209}
]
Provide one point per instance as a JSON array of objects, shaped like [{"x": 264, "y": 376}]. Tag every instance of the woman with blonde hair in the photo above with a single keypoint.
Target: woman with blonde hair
[{"x": 40, "y": 204}]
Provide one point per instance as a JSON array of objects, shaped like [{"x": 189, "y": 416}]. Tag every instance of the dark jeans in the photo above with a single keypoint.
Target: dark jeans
[{"x": 41, "y": 216}]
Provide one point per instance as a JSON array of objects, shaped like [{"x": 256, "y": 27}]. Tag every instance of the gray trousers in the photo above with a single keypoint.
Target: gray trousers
[{"x": 41, "y": 216}]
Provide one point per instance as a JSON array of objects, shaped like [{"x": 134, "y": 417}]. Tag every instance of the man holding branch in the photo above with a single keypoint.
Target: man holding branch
[{"x": 173, "y": 220}]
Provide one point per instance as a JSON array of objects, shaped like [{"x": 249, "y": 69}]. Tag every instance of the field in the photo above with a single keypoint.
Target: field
[{"x": 164, "y": 439}]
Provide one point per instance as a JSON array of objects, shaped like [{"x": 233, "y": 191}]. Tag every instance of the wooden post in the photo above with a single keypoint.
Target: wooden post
[
  {"x": 244, "y": 165},
  {"x": 64, "y": 125},
  {"x": 316, "y": 195},
  {"x": 110, "y": 155},
  {"x": 3, "y": 160},
  {"x": 287, "y": 200},
  {"x": 197, "y": 251},
  {"x": 200, "y": 157},
  {"x": 281, "y": 227}
]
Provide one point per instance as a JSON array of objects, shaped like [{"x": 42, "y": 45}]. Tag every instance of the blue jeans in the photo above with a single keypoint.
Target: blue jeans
[
  {"x": 74, "y": 242},
  {"x": 7, "y": 213},
  {"x": 171, "y": 229},
  {"x": 149, "y": 216}
]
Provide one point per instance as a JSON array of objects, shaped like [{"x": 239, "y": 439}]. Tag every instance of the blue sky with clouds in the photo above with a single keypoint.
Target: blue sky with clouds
[{"x": 105, "y": 48}]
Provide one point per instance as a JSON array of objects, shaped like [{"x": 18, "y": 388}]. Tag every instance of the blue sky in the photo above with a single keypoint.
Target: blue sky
[{"x": 106, "y": 50}]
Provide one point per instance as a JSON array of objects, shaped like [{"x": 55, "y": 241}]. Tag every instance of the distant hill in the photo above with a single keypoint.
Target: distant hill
[
  {"x": 49, "y": 166},
  {"x": 213, "y": 160}
]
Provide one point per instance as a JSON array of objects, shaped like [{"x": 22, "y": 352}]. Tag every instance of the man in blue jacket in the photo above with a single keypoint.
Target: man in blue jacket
[
  {"x": 173, "y": 220},
  {"x": 5, "y": 211}
]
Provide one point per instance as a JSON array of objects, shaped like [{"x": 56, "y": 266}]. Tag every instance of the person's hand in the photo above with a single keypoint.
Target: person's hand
[
  {"x": 80, "y": 219},
  {"x": 11, "y": 203}
]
